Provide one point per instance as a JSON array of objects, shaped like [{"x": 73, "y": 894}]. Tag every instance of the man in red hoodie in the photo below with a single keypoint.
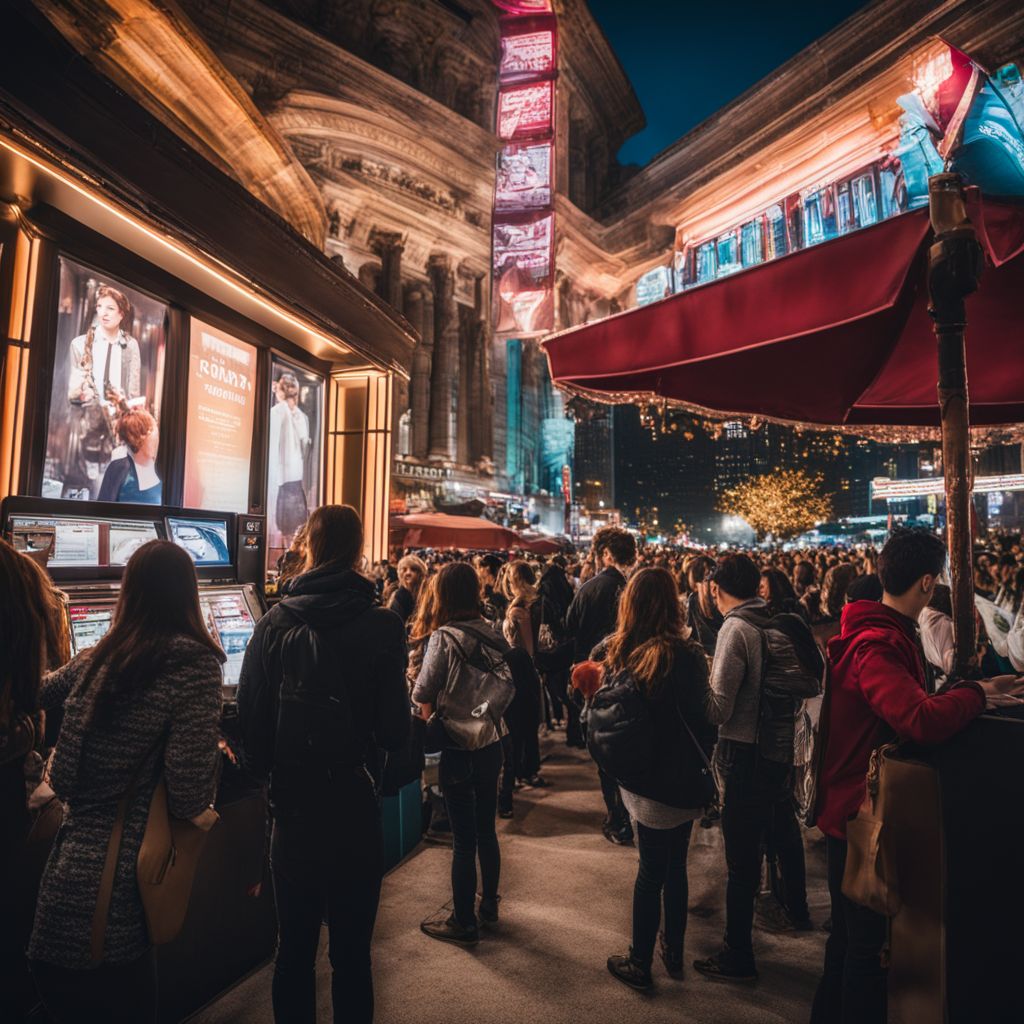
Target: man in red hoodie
[{"x": 878, "y": 692}]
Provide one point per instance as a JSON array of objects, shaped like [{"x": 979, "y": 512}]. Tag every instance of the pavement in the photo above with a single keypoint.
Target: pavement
[{"x": 566, "y": 905}]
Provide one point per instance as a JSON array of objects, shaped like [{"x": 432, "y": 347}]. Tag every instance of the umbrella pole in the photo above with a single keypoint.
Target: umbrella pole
[{"x": 954, "y": 266}]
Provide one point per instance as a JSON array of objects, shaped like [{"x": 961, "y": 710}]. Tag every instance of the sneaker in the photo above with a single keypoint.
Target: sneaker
[
  {"x": 505, "y": 813},
  {"x": 620, "y": 837},
  {"x": 631, "y": 973},
  {"x": 673, "y": 961},
  {"x": 450, "y": 931},
  {"x": 727, "y": 966},
  {"x": 772, "y": 916},
  {"x": 488, "y": 911},
  {"x": 537, "y": 781}
]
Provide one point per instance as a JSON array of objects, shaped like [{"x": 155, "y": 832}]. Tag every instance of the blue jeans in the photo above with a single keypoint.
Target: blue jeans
[
  {"x": 469, "y": 781},
  {"x": 853, "y": 986},
  {"x": 660, "y": 879}
]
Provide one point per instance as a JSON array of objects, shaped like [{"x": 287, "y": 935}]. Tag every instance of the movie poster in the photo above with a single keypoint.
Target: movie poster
[
  {"x": 294, "y": 453},
  {"x": 524, "y": 287},
  {"x": 103, "y": 429},
  {"x": 529, "y": 54},
  {"x": 524, "y": 177},
  {"x": 221, "y": 378},
  {"x": 525, "y": 111}
]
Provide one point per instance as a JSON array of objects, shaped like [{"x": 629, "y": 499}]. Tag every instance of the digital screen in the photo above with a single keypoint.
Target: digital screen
[
  {"x": 89, "y": 624},
  {"x": 230, "y": 623},
  {"x": 524, "y": 244},
  {"x": 82, "y": 543},
  {"x": 206, "y": 540},
  {"x": 524, "y": 177},
  {"x": 527, "y": 54},
  {"x": 525, "y": 110}
]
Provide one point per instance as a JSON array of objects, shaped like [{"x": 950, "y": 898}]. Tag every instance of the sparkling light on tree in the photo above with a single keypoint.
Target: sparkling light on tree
[{"x": 782, "y": 504}]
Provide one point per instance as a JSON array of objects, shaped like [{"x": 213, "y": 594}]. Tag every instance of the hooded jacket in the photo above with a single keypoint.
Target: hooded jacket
[
  {"x": 877, "y": 677},
  {"x": 366, "y": 646}
]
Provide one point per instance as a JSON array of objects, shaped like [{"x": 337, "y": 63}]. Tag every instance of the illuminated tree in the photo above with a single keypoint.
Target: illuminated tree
[{"x": 782, "y": 504}]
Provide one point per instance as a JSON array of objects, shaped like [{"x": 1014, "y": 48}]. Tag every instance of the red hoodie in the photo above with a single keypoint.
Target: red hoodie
[{"x": 876, "y": 674}]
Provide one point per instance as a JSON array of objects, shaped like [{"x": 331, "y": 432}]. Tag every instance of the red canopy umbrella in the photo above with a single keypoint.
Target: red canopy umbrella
[
  {"x": 540, "y": 545},
  {"x": 836, "y": 334},
  {"x": 437, "y": 530}
]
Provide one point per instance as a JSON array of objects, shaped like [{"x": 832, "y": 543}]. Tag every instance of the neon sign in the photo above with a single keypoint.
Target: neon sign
[
  {"x": 527, "y": 55},
  {"x": 525, "y": 111}
]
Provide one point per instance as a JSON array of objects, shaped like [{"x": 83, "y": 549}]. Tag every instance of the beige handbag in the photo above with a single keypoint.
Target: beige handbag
[{"x": 870, "y": 878}]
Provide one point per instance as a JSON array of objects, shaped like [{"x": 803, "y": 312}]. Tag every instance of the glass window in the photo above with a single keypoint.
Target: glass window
[
  {"x": 103, "y": 430},
  {"x": 294, "y": 454},
  {"x": 750, "y": 234},
  {"x": 865, "y": 200},
  {"x": 706, "y": 263},
  {"x": 820, "y": 223},
  {"x": 776, "y": 232},
  {"x": 728, "y": 254}
]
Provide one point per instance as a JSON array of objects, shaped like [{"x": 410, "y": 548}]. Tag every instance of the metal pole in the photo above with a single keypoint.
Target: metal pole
[{"x": 954, "y": 266}]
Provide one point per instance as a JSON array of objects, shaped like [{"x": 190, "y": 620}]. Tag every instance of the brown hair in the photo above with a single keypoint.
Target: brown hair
[
  {"x": 423, "y": 621},
  {"x": 134, "y": 426},
  {"x": 334, "y": 533},
  {"x": 159, "y": 600},
  {"x": 458, "y": 593},
  {"x": 650, "y": 628},
  {"x": 289, "y": 384},
  {"x": 124, "y": 306},
  {"x": 33, "y": 631},
  {"x": 519, "y": 583}
]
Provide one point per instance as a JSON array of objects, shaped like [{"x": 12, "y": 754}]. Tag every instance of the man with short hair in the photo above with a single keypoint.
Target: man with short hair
[
  {"x": 591, "y": 617},
  {"x": 877, "y": 690},
  {"x": 322, "y": 687},
  {"x": 756, "y": 777}
]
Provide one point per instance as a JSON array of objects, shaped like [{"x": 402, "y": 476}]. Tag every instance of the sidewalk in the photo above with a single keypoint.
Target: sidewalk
[{"x": 567, "y": 900}]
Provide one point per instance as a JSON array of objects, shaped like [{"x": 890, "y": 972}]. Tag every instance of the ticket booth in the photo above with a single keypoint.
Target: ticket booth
[{"x": 175, "y": 362}]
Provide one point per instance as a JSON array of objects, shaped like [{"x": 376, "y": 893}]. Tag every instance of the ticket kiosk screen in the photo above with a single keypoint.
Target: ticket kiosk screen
[
  {"x": 89, "y": 624},
  {"x": 206, "y": 540},
  {"x": 79, "y": 543},
  {"x": 230, "y": 622}
]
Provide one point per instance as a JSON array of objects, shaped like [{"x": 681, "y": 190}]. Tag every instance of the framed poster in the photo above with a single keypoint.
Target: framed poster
[
  {"x": 526, "y": 111},
  {"x": 103, "y": 432},
  {"x": 219, "y": 426},
  {"x": 527, "y": 54},
  {"x": 524, "y": 177},
  {"x": 294, "y": 453}
]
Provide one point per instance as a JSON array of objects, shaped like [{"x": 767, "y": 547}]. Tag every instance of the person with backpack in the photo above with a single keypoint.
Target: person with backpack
[
  {"x": 763, "y": 667},
  {"x": 464, "y": 689},
  {"x": 591, "y": 617},
  {"x": 322, "y": 688},
  {"x": 143, "y": 704},
  {"x": 651, "y": 654}
]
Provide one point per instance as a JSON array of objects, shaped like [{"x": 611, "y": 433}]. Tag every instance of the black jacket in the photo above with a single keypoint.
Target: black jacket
[
  {"x": 594, "y": 609},
  {"x": 366, "y": 646},
  {"x": 402, "y": 603},
  {"x": 558, "y": 591}
]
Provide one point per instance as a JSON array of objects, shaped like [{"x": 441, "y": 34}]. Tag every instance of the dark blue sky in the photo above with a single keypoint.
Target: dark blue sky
[{"x": 687, "y": 58}]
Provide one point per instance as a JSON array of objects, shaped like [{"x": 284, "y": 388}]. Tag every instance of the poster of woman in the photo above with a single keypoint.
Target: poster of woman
[
  {"x": 104, "y": 402},
  {"x": 293, "y": 457}
]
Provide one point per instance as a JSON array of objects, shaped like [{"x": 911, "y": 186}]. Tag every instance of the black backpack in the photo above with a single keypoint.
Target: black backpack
[{"x": 620, "y": 731}]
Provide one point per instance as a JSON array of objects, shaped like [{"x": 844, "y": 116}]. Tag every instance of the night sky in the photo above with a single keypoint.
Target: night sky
[{"x": 688, "y": 58}]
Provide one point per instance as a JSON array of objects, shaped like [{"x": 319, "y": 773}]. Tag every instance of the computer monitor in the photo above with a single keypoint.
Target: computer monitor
[
  {"x": 231, "y": 623},
  {"x": 79, "y": 542},
  {"x": 89, "y": 624},
  {"x": 206, "y": 540}
]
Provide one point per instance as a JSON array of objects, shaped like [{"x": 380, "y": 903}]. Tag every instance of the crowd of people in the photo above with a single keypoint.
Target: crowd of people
[{"x": 694, "y": 678}]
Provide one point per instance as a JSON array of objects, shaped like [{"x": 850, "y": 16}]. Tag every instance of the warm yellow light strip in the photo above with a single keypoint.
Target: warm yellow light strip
[{"x": 169, "y": 243}]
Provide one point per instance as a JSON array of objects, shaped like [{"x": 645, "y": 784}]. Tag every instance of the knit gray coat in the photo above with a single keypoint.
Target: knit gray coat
[{"x": 92, "y": 769}]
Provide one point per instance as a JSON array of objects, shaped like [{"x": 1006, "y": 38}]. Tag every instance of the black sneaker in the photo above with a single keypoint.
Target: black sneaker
[
  {"x": 488, "y": 911},
  {"x": 727, "y": 966},
  {"x": 673, "y": 961},
  {"x": 537, "y": 781},
  {"x": 772, "y": 916},
  {"x": 505, "y": 813},
  {"x": 450, "y": 931},
  {"x": 620, "y": 837},
  {"x": 631, "y": 973}
]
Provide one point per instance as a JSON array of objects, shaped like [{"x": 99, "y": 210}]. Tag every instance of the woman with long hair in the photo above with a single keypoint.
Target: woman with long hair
[
  {"x": 412, "y": 572},
  {"x": 469, "y": 778},
  {"x": 33, "y": 638},
  {"x": 701, "y": 614},
  {"x": 143, "y": 703},
  {"x": 778, "y": 593},
  {"x": 652, "y": 644}
]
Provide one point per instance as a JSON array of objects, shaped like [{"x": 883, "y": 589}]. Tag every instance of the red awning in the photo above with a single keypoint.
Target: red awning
[
  {"x": 437, "y": 530},
  {"x": 835, "y": 334}
]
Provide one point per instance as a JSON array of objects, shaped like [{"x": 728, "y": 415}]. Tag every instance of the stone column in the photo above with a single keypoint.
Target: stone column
[
  {"x": 482, "y": 422},
  {"x": 388, "y": 245},
  {"x": 419, "y": 310},
  {"x": 443, "y": 395}
]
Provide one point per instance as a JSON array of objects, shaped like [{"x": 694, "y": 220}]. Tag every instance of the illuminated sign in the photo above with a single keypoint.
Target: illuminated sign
[
  {"x": 528, "y": 55},
  {"x": 884, "y": 489},
  {"x": 524, "y": 177},
  {"x": 525, "y": 244},
  {"x": 525, "y": 6},
  {"x": 654, "y": 285},
  {"x": 525, "y": 111}
]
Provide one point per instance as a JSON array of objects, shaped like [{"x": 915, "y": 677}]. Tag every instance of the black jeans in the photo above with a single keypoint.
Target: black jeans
[
  {"x": 757, "y": 805},
  {"x": 618, "y": 819},
  {"x": 852, "y": 989},
  {"x": 327, "y": 861},
  {"x": 660, "y": 879},
  {"x": 469, "y": 780},
  {"x": 114, "y": 993}
]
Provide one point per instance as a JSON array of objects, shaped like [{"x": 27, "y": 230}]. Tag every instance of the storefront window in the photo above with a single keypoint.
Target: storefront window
[
  {"x": 865, "y": 202},
  {"x": 751, "y": 236},
  {"x": 728, "y": 254},
  {"x": 222, "y": 373},
  {"x": 294, "y": 455},
  {"x": 103, "y": 430},
  {"x": 707, "y": 265}
]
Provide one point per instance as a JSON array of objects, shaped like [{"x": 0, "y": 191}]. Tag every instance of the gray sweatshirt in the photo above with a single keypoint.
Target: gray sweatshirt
[{"x": 734, "y": 695}]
